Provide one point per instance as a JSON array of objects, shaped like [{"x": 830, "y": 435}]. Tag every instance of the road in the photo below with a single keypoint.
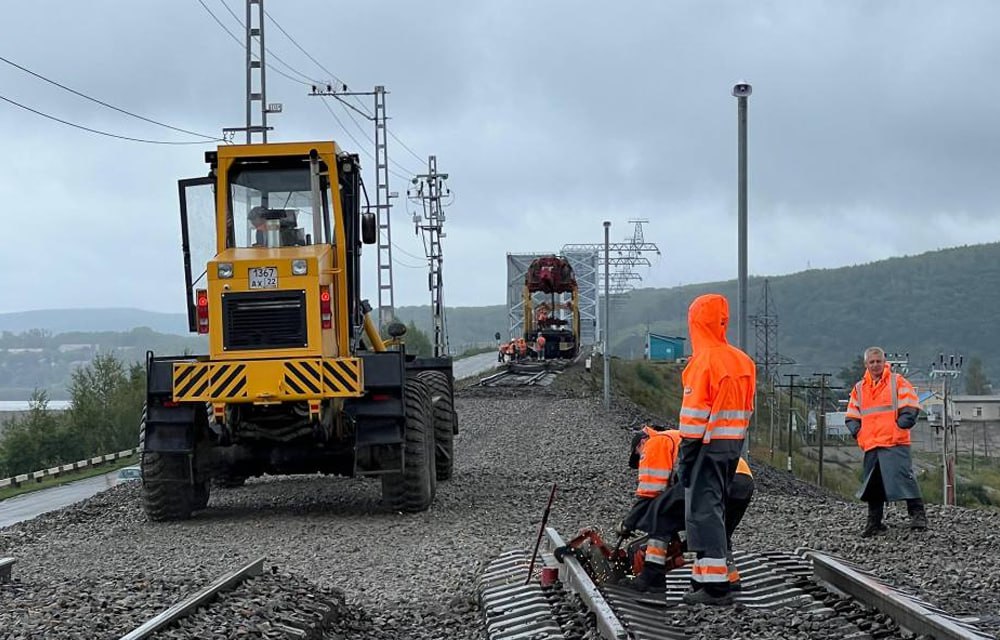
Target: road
[
  {"x": 29, "y": 505},
  {"x": 473, "y": 365}
]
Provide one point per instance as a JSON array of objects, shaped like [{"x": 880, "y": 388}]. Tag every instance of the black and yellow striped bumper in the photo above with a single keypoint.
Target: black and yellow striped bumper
[{"x": 268, "y": 380}]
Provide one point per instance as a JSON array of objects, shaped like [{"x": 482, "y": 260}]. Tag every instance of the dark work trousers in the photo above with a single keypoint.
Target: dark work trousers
[
  {"x": 874, "y": 495},
  {"x": 740, "y": 492},
  {"x": 707, "y": 471}
]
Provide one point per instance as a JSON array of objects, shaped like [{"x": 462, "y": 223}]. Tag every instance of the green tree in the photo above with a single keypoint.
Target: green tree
[
  {"x": 33, "y": 441},
  {"x": 106, "y": 403},
  {"x": 976, "y": 382},
  {"x": 853, "y": 371},
  {"x": 417, "y": 341}
]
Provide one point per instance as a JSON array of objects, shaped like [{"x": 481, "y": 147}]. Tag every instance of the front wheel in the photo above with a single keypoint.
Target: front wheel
[{"x": 413, "y": 489}]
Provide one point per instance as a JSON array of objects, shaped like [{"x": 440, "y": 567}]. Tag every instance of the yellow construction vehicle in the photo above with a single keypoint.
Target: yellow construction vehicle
[{"x": 297, "y": 378}]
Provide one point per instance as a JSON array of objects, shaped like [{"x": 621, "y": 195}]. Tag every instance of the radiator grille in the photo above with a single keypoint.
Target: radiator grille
[{"x": 264, "y": 320}]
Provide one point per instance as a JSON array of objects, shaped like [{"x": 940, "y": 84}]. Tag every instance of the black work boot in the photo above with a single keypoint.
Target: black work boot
[
  {"x": 918, "y": 515},
  {"x": 874, "y": 525},
  {"x": 653, "y": 577},
  {"x": 707, "y": 595}
]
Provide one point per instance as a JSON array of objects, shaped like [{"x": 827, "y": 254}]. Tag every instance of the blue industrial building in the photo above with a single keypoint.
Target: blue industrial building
[{"x": 664, "y": 348}]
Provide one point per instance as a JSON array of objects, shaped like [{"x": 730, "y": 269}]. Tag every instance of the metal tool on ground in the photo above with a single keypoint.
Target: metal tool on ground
[{"x": 541, "y": 531}]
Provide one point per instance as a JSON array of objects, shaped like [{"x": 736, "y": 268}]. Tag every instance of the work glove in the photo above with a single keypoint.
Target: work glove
[{"x": 906, "y": 419}]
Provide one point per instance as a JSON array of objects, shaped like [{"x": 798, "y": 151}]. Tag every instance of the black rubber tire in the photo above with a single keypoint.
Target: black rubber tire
[
  {"x": 413, "y": 490},
  {"x": 162, "y": 499},
  {"x": 444, "y": 422}
]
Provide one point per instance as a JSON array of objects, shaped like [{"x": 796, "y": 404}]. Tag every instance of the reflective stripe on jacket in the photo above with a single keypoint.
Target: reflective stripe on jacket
[
  {"x": 719, "y": 379},
  {"x": 876, "y": 405},
  {"x": 656, "y": 461}
]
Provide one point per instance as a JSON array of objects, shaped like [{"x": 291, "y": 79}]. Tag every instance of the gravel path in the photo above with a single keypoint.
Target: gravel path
[{"x": 98, "y": 569}]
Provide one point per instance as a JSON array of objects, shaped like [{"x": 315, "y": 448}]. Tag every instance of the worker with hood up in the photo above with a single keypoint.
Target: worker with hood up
[{"x": 719, "y": 384}]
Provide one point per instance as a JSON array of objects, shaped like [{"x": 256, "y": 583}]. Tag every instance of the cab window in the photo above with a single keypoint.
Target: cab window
[{"x": 273, "y": 206}]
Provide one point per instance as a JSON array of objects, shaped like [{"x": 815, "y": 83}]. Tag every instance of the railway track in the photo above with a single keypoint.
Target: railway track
[
  {"x": 245, "y": 602},
  {"x": 803, "y": 592},
  {"x": 525, "y": 374}
]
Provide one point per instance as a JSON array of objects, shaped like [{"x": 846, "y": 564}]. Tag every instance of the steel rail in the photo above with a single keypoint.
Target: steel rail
[
  {"x": 906, "y": 611},
  {"x": 6, "y": 564},
  {"x": 580, "y": 583},
  {"x": 190, "y": 604}
]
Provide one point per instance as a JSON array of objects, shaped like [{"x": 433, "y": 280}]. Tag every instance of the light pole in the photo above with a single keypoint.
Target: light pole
[
  {"x": 607, "y": 317},
  {"x": 947, "y": 370},
  {"x": 742, "y": 91}
]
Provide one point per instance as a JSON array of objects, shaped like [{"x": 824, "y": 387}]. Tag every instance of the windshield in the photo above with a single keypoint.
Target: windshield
[{"x": 273, "y": 206}]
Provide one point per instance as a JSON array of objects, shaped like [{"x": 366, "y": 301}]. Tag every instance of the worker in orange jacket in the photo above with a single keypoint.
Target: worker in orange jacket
[
  {"x": 719, "y": 384},
  {"x": 882, "y": 410},
  {"x": 659, "y": 508}
]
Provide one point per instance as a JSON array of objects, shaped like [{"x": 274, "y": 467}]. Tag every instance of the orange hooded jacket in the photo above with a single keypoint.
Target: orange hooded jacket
[{"x": 719, "y": 379}]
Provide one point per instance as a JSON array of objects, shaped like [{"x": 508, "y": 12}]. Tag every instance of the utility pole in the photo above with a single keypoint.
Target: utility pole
[
  {"x": 430, "y": 189},
  {"x": 742, "y": 91},
  {"x": 821, "y": 419},
  {"x": 383, "y": 197},
  {"x": 947, "y": 370},
  {"x": 791, "y": 410},
  {"x": 256, "y": 86},
  {"x": 765, "y": 323},
  {"x": 607, "y": 314}
]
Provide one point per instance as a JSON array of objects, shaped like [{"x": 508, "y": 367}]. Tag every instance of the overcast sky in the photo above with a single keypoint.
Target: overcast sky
[{"x": 873, "y": 131}]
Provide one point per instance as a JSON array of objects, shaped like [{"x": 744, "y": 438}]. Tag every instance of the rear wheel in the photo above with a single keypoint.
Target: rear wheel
[
  {"x": 164, "y": 497},
  {"x": 414, "y": 488},
  {"x": 444, "y": 422}
]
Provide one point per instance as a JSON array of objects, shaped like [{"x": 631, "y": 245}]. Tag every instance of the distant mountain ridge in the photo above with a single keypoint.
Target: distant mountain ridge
[
  {"x": 85, "y": 320},
  {"x": 938, "y": 301}
]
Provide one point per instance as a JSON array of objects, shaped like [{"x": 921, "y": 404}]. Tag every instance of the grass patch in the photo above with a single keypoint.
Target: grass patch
[{"x": 69, "y": 476}]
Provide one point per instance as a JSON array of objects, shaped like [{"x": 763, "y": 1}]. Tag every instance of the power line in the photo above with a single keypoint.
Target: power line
[
  {"x": 105, "y": 104},
  {"x": 237, "y": 41},
  {"x": 98, "y": 131},
  {"x": 308, "y": 80},
  {"x": 349, "y": 135}
]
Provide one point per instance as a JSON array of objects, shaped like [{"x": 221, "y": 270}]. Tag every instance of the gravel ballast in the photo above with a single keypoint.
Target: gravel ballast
[{"x": 98, "y": 569}]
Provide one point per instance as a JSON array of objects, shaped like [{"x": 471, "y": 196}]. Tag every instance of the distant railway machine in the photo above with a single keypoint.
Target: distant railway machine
[{"x": 552, "y": 308}]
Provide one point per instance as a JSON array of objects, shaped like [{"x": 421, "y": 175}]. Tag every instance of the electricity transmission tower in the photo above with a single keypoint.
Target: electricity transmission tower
[
  {"x": 256, "y": 77},
  {"x": 430, "y": 189},
  {"x": 383, "y": 197}
]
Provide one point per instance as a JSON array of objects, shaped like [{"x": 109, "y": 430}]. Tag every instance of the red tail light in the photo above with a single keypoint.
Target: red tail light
[
  {"x": 201, "y": 298},
  {"x": 325, "y": 314}
]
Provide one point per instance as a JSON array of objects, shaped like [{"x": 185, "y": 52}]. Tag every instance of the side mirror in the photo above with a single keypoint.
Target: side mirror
[
  {"x": 396, "y": 329},
  {"x": 369, "y": 229}
]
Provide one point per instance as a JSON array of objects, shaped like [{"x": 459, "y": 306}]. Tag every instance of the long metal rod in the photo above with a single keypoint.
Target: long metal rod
[
  {"x": 742, "y": 224},
  {"x": 188, "y": 605},
  {"x": 541, "y": 531},
  {"x": 903, "y": 610},
  {"x": 574, "y": 577}
]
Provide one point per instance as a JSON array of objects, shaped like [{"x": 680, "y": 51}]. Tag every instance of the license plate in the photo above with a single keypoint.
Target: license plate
[{"x": 264, "y": 278}]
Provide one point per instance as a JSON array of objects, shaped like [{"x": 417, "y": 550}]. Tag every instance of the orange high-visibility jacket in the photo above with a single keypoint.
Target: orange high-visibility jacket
[
  {"x": 719, "y": 379},
  {"x": 876, "y": 406},
  {"x": 657, "y": 456}
]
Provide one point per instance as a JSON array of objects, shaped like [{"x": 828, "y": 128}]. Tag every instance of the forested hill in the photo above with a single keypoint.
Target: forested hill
[{"x": 942, "y": 301}]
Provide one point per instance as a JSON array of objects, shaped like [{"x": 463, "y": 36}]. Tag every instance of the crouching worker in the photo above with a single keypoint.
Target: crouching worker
[{"x": 659, "y": 509}]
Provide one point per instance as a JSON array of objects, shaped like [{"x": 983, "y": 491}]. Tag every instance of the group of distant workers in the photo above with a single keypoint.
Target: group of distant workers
[
  {"x": 520, "y": 349},
  {"x": 694, "y": 486}
]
